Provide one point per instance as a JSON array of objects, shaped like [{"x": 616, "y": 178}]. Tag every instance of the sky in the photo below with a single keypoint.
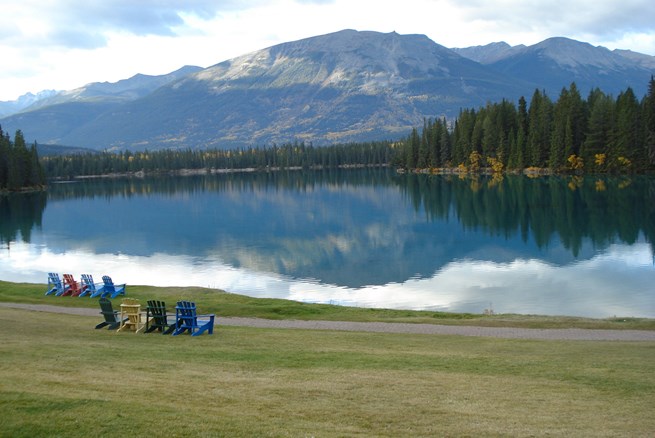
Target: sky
[{"x": 65, "y": 44}]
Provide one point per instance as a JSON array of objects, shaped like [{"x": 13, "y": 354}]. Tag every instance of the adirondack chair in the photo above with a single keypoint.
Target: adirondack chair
[
  {"x": 90, "y": 287},
  {"x": 112, "y": 289},
  {"x": 111, "y": 316},
  {"x": 157, "y": 319},
  {"x": 187, "y": 319},
  {"x": 74, "y": 288},
  {"x": 131, "y": 316},
  {"x": 55, "y": 286}
]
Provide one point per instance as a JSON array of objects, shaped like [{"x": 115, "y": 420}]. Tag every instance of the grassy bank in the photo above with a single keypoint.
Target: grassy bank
[
  {"x": 226, "y": 304},
  {"x": 60, "y": 377}
]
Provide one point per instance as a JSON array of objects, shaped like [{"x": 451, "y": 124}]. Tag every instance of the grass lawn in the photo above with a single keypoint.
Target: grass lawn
[{"x": 61, "y": 377}]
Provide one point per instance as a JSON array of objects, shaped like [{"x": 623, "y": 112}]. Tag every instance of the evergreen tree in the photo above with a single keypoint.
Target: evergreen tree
[
  {"x": 600, "y": 126},
  {"x": 444, "y": 144},
  {"x": 413, "y": 150},
  {"x": 516, "y": 160},
  {"x": 18, "y": 163},
  {"x": 558, "y": 140},
  {"x": 4, "y": 159},
  {"x": 626, "y": 139},
  {"x": 435, "y": 144},
  {"x": 489, "y": 133},
  {"x": 578, "y": 115},
  {"x": 539, "y": 134},
  {"x": 37, "y": 176},
  {"x": 569, "y": 126},
  {"x": 424, "y": 148},
  {"x": 649, "y": 123},
  {"x": 462, "y": 143}
]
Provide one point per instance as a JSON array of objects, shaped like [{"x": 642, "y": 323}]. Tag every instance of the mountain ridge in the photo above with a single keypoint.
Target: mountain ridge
[{"x": 340, "y": 87}]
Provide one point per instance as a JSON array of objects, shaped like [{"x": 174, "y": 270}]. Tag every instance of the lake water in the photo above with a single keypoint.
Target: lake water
[{"x": 370, "y": 238}]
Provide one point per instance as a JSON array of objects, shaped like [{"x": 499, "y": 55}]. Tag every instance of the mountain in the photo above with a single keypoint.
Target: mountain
[
  {"x": 341, "y": 87},
  {"x": 10, "y": 107},
  {"x": 556, "y": 62},
  {"x": 122, "y": 91},
  {"x": 489, "y": 53}
]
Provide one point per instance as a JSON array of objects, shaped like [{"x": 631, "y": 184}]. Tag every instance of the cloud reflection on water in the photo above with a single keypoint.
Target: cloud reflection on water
[{"x": 526, "y": 286}]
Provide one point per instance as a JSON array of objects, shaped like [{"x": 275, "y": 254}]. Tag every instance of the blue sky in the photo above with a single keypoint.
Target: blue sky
[{"x": 65, "y": 44}]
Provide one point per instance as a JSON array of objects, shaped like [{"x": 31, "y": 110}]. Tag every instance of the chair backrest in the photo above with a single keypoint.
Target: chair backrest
[
  {"x": 72, "y": 284},
  {"x": 157, "y": 319},
  {"x": 107, "y": 310},
  {"x": 157, "y": 310},
  {"x": 87, "y": 279},
  {"x": 130, "y": 304},
  {"x": 54, "y": 279},
  {"x": 109, "y": 284},
  {"x": 186, "y": 309}
]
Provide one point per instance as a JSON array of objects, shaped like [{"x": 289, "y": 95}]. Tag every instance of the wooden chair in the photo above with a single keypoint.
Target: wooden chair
[
  {"x": 90, "y": 287},
  {"x": 55, "y": 286},
  {"x": 111, "y": 316},
  {"x": 75, "y": 288},
  {"x": 187, "y": 319},
  {"x": 131, "y": 316},
  {"x": 112, "y": 289},
  {"x": 157, "y": 319}
]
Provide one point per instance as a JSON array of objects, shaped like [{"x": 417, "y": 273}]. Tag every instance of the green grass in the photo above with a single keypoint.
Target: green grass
[
  {"x": 61, "y": 377},
  {"x": 226, "y": 304}
]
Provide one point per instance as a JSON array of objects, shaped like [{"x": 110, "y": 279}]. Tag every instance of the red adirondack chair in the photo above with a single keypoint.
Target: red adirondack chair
[{"x": 74, "y": 288}]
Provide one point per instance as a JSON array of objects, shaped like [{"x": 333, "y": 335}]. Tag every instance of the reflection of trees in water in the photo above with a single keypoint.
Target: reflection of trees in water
[
  {"x": 237, "y": 181},
  {"x": 20, "y": 213},
  {"x": 602, "y": 209}
]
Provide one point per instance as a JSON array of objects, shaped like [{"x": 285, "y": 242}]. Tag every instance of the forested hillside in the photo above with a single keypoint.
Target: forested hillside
[{"x": 599, "y": 134}]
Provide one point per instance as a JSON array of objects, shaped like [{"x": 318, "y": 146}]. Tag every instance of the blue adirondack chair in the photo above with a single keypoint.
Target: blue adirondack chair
[
  {"x": 92, "y": 289},
  {"x": 187, "y": 319},
  {"x": 111, "y": 289},
  {"x": 55, "y": 285}
]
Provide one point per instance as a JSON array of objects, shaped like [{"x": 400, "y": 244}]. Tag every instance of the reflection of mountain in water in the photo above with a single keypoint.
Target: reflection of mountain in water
[{"x": 351, "y": 228}]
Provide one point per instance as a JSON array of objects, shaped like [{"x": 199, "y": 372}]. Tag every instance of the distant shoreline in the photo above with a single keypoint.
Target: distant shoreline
[{"x": 210, "y": 171}]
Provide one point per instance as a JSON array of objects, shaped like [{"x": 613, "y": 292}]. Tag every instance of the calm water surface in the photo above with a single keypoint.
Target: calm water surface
[{"x": 559, "y": 246}]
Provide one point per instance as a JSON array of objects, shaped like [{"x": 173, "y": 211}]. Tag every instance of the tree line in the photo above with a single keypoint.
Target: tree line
[
  {"x": 294, "y": 155},
  {"x": 599, "y": 134},
  {"x": 20, "y": 167}
]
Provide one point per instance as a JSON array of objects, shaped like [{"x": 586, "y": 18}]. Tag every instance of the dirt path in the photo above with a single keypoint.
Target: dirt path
[{"x": 387, "y": 327}]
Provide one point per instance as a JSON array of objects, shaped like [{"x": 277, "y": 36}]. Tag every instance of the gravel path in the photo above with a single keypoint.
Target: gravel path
[{"x": 387, "y": 327}]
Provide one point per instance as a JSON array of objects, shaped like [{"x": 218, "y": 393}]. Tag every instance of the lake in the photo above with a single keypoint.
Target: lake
[{"x": 581, "y": 246}]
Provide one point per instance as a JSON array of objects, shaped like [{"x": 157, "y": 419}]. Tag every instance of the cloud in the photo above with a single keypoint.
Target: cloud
[
  {"x": 605, "y": 20},
  {"x": 86, "y": 25}
]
